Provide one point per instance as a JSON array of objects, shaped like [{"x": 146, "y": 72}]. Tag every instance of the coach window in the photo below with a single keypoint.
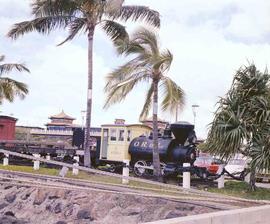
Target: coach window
[
  {"x": 121, "y": 135},
  {"x": 113, "y": 134},
  {"x": 129, "y": 135}
]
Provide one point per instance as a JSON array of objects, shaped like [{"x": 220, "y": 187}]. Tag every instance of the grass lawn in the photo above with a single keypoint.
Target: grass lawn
[
  {"x": 241, "y": 189},
  {"x": 29, "y": 169},
  {"x": 55, "y": 172},
  {"x": 96, "y": 178},
  {"x": 233, "y": 188}
]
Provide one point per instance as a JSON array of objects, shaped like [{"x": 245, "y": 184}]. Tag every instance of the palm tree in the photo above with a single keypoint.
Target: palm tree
[
  {"x": 242, "y": 120},
  {"x": 84, "y": 16},
  {"x": 9, "y": 88},
  {"x": 149, "y": 64}
]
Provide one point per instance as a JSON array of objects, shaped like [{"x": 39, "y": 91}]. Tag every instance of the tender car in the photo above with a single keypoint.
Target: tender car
[
  {"x": 236, "y": 166},
  {"x": 210, "y": 163}
]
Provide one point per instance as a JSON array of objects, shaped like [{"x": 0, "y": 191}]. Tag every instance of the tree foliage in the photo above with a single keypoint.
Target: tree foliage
[
  {"x": 80, "y": 16},
  {"x": 242, "y": 120},
  {"x": 147, "y": 64},
  {"x": 83, "y": 16},
  {"x": 10, "y": 88}
]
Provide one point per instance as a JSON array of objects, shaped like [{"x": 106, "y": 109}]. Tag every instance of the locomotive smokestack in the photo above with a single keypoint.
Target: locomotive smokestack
[{"x": 181, "y": 131}]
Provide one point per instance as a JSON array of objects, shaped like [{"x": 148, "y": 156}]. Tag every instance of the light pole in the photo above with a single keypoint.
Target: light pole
[
  {"x": 194, "y": 108},
  {"x": 83, "y": 112},
  {"x": 176, "y": 113}
]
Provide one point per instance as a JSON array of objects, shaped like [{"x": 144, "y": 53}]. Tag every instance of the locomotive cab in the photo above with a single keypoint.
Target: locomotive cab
[{"x": 116, "y": 139}]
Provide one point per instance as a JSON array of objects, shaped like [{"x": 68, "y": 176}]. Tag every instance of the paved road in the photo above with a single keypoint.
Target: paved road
[{"x": 264, "y": 185}]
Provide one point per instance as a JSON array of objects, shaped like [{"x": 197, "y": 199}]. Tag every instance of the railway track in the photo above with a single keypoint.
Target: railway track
[
  {"x": 174, "y": 188},
  {"x": 45, "y": 181}
]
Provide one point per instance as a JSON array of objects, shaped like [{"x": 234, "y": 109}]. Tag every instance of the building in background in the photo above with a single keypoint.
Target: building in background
[
  {"x": 60, "y": 129},
  {"x": 7, "y": 127},
  {"x": 161, "y": 123},
  {"x": 61, "y": 122},
  {"x": 24, "y": 132}
]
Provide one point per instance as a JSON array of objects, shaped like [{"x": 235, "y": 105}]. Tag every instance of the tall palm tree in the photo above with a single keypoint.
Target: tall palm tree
[
  {"x": 148, "y": 64},
  {"x": 84, "y": 16},
  {"x": 242, "y": 120},
  {"x": 9, "y": 88}
]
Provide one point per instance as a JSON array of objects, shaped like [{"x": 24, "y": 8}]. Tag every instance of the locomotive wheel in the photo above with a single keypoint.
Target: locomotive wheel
[
  {"x": 138, "y": 168},
  {"x": 162, "y": 167},
  {"x": 112, "y": 168}
]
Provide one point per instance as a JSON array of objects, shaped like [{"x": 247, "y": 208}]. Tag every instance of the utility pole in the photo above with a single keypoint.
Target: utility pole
[{"x": 177, "y": 111}]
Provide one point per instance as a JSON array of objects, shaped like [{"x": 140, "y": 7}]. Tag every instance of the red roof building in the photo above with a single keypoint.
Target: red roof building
[{"x": 7, "y": 127}]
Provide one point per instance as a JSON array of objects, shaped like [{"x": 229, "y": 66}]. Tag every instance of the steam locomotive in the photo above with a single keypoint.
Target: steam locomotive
[
  {"x": 173, "y": 151},
  {"x": 135, "y": 143}
]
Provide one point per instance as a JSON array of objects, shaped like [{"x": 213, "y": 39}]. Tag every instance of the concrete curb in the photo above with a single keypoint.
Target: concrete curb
[{"x": 252, "y": 215}]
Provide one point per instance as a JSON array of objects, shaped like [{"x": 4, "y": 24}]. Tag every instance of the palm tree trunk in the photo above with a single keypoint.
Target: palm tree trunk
[
  {"x": 156, "y": 160},
  {"x": 87, "y": 154},
  {"x": 252, "y": 181}
]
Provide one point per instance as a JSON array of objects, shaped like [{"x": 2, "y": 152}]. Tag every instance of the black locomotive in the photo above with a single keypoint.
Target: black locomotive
[{"x": 176, "y": 146}]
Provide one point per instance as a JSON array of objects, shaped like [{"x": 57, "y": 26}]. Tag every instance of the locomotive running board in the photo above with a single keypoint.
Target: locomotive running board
[{"x": 145, "y": 167}]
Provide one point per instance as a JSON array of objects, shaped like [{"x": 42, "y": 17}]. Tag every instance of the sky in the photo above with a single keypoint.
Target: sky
[{"x": 210, "y": 40}]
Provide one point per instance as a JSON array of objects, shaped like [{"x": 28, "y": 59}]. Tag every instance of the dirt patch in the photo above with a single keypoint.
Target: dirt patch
[{"x": 51, "y": 206}]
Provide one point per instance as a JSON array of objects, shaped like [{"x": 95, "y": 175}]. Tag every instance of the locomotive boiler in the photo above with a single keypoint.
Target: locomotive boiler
[{"x": 176, "y": 146}]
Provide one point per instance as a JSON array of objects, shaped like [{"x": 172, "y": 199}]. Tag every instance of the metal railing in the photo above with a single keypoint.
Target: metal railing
[
  {"x": 51, "y": 132},
  {"x": 59, "y": 132}
]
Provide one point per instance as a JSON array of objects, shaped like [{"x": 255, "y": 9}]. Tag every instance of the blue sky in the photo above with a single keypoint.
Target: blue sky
[{"x": 210, "y": 40}]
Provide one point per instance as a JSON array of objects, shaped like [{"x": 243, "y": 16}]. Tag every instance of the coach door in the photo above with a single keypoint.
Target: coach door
[{"x": 105, "y": 135}]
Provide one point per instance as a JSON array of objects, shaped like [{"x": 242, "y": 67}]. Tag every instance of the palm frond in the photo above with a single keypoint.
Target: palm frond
[
  {"x": 126, "y": 72},
  {"x": 148, "y": 103},
  {"x": 128, "y": 47},
  {"x": 173, "y": 95},
  {"x": 226, "y": 135},
  {"x": 10, "y": 88},
  {"x": 119, "y": 75},
  {"x": 93, "y": 9},
  {"x": 113, "y": 6},
  {"x": 164, "y": 61},
  {"x": 44, "y": 8},
  {"x": 136, "y": 13},
  {"x": 115, "y": 31},
  {"x": 148, "y": 39},
  {"x": 42, "y": 25},
  {"x": 119, "y": 91},
  {"x": 6, "y": 68},
  {"x": 260, "y": 152},
  {"x": 77, "y": 25}
]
